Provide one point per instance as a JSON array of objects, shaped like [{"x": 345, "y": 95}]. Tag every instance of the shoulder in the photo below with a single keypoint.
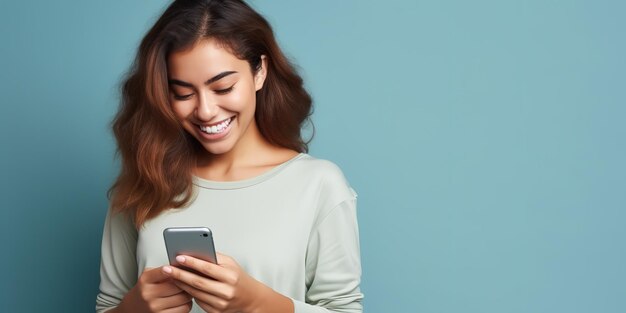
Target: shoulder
[
  {"x": 326, "y": 176},
  {"x": 312, "y": 165},
  {"x": 333, "y": 192},
  {"x": 314, "y": 168}
]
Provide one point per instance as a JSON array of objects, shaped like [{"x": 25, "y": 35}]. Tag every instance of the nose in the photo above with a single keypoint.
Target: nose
[{"x": 206, "y": 108}]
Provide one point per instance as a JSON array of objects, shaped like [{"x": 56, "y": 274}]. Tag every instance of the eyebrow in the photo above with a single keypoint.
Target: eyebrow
[{"x": 208, "y": 82}]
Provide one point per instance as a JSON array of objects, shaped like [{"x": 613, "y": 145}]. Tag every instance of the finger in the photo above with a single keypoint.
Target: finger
[
  {"x": 180, "y": 309},
  {"x": 212, "y": 300},
  {"x": 166, "y": 288},
  {"x": 153, "y": 275},
  {"x": 204, "y": 284},
  {"x": 185, "y": 308},
  {"x": 163, "y": 290},
  {"x": 207, "y": 307},
  {"x": 209, "y": 269},
  {"x": 177, "y": 300}
]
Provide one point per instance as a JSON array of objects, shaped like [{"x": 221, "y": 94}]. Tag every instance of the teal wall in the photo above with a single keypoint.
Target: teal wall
[{"x": 486, "y": 140}]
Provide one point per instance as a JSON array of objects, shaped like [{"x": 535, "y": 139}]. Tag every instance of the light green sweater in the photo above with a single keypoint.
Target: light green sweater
[{"x": 293, "y": 228}]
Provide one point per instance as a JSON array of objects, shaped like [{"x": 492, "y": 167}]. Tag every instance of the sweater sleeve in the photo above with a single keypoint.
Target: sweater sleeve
[
  {"x": 333, "y": 264},
  {"x": 118, "y": 265}
]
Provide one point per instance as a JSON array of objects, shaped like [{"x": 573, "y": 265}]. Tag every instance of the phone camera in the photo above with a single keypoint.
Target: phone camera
[{"x": 205, "y": 235}]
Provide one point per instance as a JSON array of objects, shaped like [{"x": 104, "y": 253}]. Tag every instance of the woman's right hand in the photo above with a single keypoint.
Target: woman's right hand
[{"x": 155, "y": 292}]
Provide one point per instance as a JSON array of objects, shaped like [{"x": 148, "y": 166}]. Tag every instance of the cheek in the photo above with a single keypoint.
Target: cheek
[
  {"x": 181, "y": 110},
  {"x": 242, "y": 100}
]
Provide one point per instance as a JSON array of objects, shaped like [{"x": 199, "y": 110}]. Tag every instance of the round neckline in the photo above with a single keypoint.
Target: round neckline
[{"x": 238, "y": 184}]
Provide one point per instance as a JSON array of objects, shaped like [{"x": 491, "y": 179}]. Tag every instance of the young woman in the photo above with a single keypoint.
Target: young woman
[{"x": 209, "y": 135}]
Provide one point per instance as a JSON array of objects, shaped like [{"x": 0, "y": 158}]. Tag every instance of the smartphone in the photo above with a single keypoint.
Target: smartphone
[{"x": 193, "y": 241}]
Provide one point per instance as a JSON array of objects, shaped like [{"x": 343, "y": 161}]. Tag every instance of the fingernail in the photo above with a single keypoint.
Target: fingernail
[
  {"x": 180, "y": 259},
  {"x": 167, "y": 269}
]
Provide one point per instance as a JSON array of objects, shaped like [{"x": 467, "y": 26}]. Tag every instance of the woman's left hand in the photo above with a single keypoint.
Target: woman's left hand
[{"x": 223, "y": 288}]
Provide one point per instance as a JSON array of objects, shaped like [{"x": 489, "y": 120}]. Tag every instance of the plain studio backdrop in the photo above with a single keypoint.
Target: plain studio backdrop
[{"x": 486, "y": 140}]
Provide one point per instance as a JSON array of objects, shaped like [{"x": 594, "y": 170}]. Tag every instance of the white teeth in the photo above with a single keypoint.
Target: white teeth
[{"x": 216, "y": 128}]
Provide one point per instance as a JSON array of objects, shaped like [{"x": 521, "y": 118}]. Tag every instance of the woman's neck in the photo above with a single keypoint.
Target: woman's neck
[{"x": 251, "y": 156}]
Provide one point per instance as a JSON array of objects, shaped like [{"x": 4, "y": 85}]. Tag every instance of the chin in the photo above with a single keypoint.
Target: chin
[{"x": 218, "y": 148}]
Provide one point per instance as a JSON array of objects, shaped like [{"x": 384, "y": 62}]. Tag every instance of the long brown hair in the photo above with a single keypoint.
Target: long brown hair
[{"x": 157, "y": 154}]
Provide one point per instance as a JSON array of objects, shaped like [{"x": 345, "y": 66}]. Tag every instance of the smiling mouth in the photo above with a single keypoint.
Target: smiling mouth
[{"x": 218, "y": 127}]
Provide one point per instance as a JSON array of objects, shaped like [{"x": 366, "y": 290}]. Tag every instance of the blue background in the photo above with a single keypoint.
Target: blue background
[{"x": 486, "y": 140}]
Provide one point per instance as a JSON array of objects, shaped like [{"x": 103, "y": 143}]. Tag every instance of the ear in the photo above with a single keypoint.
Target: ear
[{"x": 261, "y": 74}]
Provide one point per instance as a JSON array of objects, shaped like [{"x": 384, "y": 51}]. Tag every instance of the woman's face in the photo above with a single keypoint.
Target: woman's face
[{"x": 213, "y": 94}]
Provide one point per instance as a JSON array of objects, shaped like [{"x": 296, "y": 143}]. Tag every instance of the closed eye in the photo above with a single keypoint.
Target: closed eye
[
  {"x": 224, "y": 91},
  {"x": 183, "y": 97},
  {"x": 218, "y": 91}
]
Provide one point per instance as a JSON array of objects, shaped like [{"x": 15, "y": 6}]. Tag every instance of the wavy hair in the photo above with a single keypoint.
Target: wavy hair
[{"x": 157, "y": 154}]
